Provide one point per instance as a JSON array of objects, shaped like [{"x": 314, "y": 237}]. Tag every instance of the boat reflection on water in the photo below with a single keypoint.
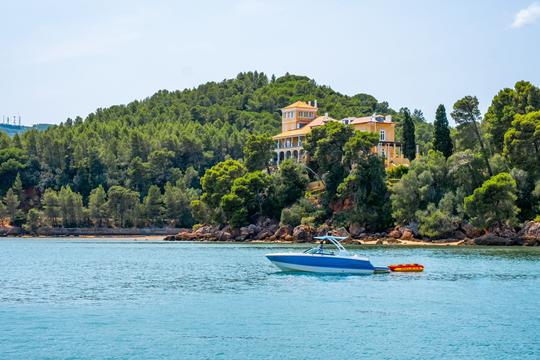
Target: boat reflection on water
[{"x": 321, "y": 260}]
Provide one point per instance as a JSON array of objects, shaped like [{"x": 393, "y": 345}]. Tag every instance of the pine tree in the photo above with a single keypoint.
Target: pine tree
[
  {"x": 153, "y": 205},
  {"x": 441, "y": 140},
  {"x": 51, "y": 207},
  {"x": 97, "y": 205},
  {"x": 466, "y": 113},
  {"x": 409, "y": 141},
  {"x": 12, "y": 204}
]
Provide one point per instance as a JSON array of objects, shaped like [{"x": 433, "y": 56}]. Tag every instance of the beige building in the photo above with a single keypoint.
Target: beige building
[{"x": 299, "y": 118}]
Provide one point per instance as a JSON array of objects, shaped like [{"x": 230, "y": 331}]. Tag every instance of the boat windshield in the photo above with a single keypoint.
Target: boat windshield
[{"x": 319, "y": 251}]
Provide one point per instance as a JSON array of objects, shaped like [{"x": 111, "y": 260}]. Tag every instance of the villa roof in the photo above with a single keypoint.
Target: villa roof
[
  {"x": 292, "y": 133},
  {"x": 362, "y": 120},
  {"x": 319, "y": 121},
  {"x": 300, "y": 105},
  {"x": 367, "y": 119}
]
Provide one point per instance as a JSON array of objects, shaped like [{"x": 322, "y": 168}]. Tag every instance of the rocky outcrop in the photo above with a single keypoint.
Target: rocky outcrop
[
  {"x": 341, "y": 232},
  {"x": 268, "y": 230},
  {"x": 323, "y": 230},
  {"x": 395, "y": 234},
  {"x": 356, "y": 230},
  {"x": 496, "y": 240},
  {"x": 283, "y": 231},
  {"x": 530, "y": 233},
  {"x": 303, "y": 233},
  {"x": 11, "y": 231},
  {"x": 470, "y": 231},
  {"x": 407, "y": 234}
]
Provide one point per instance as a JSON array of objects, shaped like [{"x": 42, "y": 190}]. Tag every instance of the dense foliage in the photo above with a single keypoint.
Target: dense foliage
[{"x": 202, "y": 156}]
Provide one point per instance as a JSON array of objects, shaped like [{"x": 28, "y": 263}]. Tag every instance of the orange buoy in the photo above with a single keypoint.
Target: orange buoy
[{"x": 406, "y": 267}]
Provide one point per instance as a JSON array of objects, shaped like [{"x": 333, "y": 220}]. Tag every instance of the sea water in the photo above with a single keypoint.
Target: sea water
[{"x": 127, "y": 299}]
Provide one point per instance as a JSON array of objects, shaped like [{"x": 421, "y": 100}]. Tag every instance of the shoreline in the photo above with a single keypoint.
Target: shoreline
[{"x": 158, "y": 237}]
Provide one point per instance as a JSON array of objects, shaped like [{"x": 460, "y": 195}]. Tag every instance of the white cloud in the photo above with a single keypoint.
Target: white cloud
[{"x": 527, "y": 16}]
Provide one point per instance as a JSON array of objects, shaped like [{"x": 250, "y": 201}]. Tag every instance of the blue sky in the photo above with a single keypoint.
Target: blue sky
[{"x": 65, "y": 58}]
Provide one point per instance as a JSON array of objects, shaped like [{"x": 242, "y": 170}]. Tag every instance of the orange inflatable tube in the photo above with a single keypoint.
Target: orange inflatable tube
[{"x": 406, "y": 267}]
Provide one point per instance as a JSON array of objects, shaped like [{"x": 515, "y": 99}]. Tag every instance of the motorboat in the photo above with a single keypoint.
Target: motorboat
[{"x": 322, "y": 260}]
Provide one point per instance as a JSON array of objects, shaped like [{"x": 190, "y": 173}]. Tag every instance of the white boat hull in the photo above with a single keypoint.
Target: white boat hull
[{"x": 320, "y": 269}]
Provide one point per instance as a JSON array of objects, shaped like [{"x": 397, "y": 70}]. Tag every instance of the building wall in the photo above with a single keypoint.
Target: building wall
[
  {"x": 295, "y": 118},
  {"x": 376, "y": 127},
  {"x": 299, "y": 116}
]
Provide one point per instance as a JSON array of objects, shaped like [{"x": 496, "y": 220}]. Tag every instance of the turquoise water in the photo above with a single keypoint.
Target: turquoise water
[{"x": 121, "y": 299}]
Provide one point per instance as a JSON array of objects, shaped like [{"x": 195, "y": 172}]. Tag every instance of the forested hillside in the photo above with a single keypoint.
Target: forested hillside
[
  {"x": 157, "y": 140},
  {"x": 201, "y": 156}
]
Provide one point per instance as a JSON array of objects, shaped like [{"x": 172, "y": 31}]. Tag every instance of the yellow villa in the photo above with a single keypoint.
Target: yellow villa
[{"x": 299, "y": 118}]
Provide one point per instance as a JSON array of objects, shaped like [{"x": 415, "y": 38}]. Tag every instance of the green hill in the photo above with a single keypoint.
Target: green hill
[{"x": 154, "y": 140}]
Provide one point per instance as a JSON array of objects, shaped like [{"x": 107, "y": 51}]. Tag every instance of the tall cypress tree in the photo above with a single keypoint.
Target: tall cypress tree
[
  {"x": 441, "y": 139},
  {"x": 409, "y": 141}
]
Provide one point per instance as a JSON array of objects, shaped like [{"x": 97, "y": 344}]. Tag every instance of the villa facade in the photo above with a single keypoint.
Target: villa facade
[{"x": 299, "y": 118}]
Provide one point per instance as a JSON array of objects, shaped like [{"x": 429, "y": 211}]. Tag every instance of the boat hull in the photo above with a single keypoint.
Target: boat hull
[{"x": 322, "y": 263}]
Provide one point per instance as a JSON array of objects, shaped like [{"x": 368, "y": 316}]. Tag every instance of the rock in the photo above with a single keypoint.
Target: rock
[
  {"x": 341, "y": 232},
  {"x": 264, "y": 234},
  {"x": 267, "y": 223},
  {"x": 323, "y": 230},
  {"x": 470, "y": 231},
  {"x": 393, "y": 241},
  {"x": 356, "y": 229},
  {"x": 288, "y": 238},
  {"x": 396, "y": 234},
  {"x": 249, "y": 232},
  {"x": 458, "y": 235},
  {"x": 283, "y": 231},
  {"x": 379, "y": 242},
  {"x": 413, "y": 227},
  {"x": 531, "y": 230},
  {"x": 206, "y": 229},
  {"x": 303, "y": 233},
  {"x": 531, "y": 242},
  {"x": 495, "y": 240},
  {"x": 223, "y": 236},
  {"x": 407, "y": 234},
  {"x": 504, "y": 231}
]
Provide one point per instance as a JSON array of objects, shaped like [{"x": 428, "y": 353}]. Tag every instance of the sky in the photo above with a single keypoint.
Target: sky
[{"x": 67, "y": 58}]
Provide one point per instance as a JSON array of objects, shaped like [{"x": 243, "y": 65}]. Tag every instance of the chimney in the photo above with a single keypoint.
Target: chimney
[
  {"x": 315, "y": 103},
  {"x": 388, "y": 118}
]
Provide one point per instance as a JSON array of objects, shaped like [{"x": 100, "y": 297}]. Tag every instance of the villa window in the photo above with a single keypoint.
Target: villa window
[{"x": 383, "y": 135}]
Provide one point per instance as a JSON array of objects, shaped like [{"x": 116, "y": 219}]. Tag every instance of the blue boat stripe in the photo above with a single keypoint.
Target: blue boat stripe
[{"x": 323, "y": 261}]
